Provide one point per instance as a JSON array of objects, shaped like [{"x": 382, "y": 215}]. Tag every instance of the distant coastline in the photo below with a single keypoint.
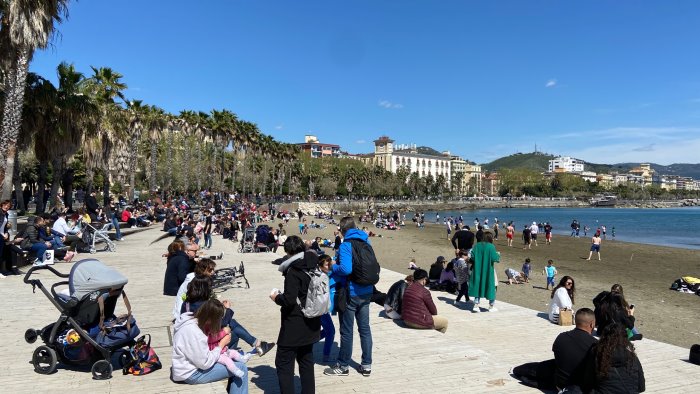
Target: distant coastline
[{"x": 312, "y": 207}]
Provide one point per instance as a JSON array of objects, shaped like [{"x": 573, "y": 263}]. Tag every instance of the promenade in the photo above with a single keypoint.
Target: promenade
[{"x": 476, "y": 354}]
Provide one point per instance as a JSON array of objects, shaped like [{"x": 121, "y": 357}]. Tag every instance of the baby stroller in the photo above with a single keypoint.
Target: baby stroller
[
  {"x": 86, "y": 332},
  {"x": 93, "y": 236},
  {"x": 247, "y": 241}
]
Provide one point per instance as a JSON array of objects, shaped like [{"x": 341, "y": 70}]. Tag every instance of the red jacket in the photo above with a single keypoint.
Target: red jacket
[{"x": 418, "y": 306}]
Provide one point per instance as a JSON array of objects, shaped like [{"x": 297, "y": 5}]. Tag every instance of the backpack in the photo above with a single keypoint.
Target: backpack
[
  {"x": 365, "y": 268},
  {"x": 142, "y": 359},
  {"x": 318, "y": 300}
]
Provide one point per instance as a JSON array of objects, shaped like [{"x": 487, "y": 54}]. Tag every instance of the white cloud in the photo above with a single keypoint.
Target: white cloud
[
  {"x": 389, "y": 105},
  {"x": 279, "y": 127},
  {"x": 551, "y": 83},
  {"x": 631, "y": 144},
  {"x": 360, "y": 141}
]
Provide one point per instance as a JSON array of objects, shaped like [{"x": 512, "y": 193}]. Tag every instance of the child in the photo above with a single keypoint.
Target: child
[
  {"x": 227, "y": 356},
  {"x": 327, "y": 328},
  {"x": 551, "y": 271},
  {"x": 526, "y": 270}
]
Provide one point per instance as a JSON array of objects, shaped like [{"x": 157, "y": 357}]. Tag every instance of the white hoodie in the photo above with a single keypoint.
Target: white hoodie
[
  {"x": 180, "y": 295},
  {"x": 191, "y": 349}
]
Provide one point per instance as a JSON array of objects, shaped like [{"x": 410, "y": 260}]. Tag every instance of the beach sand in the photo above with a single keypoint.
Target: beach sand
[{"x": 645, "y": 271}]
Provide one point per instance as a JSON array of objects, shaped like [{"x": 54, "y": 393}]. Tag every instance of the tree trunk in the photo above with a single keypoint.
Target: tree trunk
[
  {"x": 67, "y": 182},
  {"x": 169, "y": 168},
  {"x": 185, "y": 166},
  {"x": 154, "y": 159},
  {"x": 57, "y": 164},
  {"x": 199, "y": 166},
  {"x": 133, "y": 157},
  {"x": 41, "y": 185},
  {"x": 17, "y": 176},
  {"x": 12, "y": 120},
  {"x": 105, "y": 185}
]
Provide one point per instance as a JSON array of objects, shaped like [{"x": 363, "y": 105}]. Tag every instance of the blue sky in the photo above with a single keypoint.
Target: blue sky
[{"x": 602, "y": 81}]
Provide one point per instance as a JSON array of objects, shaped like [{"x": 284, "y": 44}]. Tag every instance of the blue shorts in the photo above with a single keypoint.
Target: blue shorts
[
  {"x": 550, "y": 280},
  {"x": 595, "y": 248}
]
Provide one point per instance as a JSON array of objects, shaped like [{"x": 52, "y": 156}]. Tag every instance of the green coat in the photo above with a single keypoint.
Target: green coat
[{"x": 482, "y": 283}]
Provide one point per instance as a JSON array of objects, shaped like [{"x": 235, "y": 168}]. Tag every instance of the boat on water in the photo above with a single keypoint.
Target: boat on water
[{"x": 607, "y": 200}]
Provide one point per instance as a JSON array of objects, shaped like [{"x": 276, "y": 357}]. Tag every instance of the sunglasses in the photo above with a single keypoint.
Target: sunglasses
[{"x": 569, "y": 283}]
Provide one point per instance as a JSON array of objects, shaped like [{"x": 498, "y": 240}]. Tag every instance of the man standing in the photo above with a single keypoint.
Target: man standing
[
  {"x": 548, "y": 233},
  {"x": 91, "y": 206},
  {"x": 595, "y": 245},
  {"x": 347, "y": 274},
  {"x": 463, "y": 239},
  {"x": 534, "y": 229}
]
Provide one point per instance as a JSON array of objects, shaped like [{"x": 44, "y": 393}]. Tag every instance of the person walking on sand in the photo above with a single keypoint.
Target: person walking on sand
[
  {"x": 526, "y": 237},
  {"x": 605, "y": 231},
  {"x": 510, "y": 231},
  {"x": 483, "y": 281},
  {"x": 534, "y": 230},
  {"x": 595, "y": 245}
]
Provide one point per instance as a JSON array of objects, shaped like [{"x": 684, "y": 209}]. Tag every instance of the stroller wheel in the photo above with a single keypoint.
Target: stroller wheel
[
  {"x": 125, "y": 359},
  {"x": 44, "y": 360},
  {"x": 93, "y": 250},
  {"x": 101, "y": 370},
  {"x": 112, "y": 247},
  {"x": 31, "y": 335}
]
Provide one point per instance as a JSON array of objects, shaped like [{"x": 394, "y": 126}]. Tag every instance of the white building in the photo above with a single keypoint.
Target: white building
[
  {"x": 565, "y": 164},
  {"x": 392, "y": 159}
]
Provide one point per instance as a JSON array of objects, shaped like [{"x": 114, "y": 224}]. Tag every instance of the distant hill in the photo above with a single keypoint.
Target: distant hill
[
  {"x": 533, "y": 161},
  {"x": 426, "y": 150},
  {"x": 540, "y": 162}
]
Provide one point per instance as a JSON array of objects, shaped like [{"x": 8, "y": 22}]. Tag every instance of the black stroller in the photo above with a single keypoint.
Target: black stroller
[{"x": 86, "y": 332}]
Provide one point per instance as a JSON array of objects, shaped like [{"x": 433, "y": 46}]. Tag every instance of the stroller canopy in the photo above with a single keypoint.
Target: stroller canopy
[{"x": 89, "y": 275}]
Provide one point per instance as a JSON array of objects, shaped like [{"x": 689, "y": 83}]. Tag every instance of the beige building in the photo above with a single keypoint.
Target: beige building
[
  {"x": 386, "y": 156},
  {"x": 645, "y": 172},
  {"x": 606, "y": 180},
  {"x": 491, "y": 183},
  {"x": 469, "y": 173}
]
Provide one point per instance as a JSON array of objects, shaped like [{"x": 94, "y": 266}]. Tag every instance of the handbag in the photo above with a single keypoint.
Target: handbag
[
  {"x": 143, "y": 359},
  {"x": 341, "y": 298},
  {"x": 566, "y": 317}
]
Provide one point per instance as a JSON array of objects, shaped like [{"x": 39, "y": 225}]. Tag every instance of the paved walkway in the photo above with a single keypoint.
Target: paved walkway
[{"x": 475, "y": 354}]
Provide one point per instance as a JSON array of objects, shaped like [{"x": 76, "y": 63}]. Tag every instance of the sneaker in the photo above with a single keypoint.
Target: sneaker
[
  {"x": 364, "y": 371},
  {"x": 246, "y": 357},
  {"x": 492, "y": 309},
  {"x": 2, "y": 276},
  {"x": 636, "y": 337},
  {"x": 476, "y": 309},
  {"x": 264, "y": 347},
  {"x": 336, "y": 370},
  {"x": 37, "y": 263},
  {"x": 221, "y": 255}
]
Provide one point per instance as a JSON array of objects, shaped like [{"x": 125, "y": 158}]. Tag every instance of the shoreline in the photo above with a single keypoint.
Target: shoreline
[{"x": 645, "y": 271}]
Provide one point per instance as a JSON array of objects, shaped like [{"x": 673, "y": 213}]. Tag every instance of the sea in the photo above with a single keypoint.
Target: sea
[{"x": 675, "y": 227}]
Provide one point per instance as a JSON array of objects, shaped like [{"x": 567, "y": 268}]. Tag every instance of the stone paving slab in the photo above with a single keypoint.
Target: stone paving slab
[{"x": 475, "y": 354}]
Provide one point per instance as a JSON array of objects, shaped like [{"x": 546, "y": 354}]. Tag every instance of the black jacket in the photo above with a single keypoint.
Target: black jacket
[
  {"x": 463, "y": 239},
  {"x": 295, "y": 329},
  {"x": 91, "y": 204},
  {"x": 179, "y": 265},
  {"x": 622, "y": 377},
  {"x": 394, "y": 297}
]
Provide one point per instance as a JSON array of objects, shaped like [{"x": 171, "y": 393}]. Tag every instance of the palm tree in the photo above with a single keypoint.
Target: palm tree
[
  {"x": 136, "y": 112},
  {"x": 105, "y": 86},
  {"x": 25, "y": 26},
  {"x": 154, "y": 124}
]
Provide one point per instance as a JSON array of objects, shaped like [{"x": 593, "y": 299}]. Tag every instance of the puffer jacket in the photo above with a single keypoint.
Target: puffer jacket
[
  {"x": 394, "y": 297},
  {"x": 418, "y": 306},
  {"x": 624, "y": 375}
]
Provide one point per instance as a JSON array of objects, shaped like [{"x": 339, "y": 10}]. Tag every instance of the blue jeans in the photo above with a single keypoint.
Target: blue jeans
[
  {"x": 40, "y": 249},
  {"x": 219, "y": 372},
  {"x": 239, "y": 332},
  {"x": 207, "y": 240},
  {"x": 115, "y": 224},
  {"x": 327, "y": 333},
  {"x": 358, "y": 307}
]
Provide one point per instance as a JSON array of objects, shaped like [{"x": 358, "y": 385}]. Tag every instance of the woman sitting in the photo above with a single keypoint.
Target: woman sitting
[
  {"x": 193, "y": 361},
  {"x": 612, "y": 307},
  {"x": 436, "y": 271},
  {"x": 448, "y": 279},
  {"x": 562, "y": 298},
  {"x": 394, "y": 297},
  {"x": 418, "y": 308},
  {"x": 611, "y": 365}
]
